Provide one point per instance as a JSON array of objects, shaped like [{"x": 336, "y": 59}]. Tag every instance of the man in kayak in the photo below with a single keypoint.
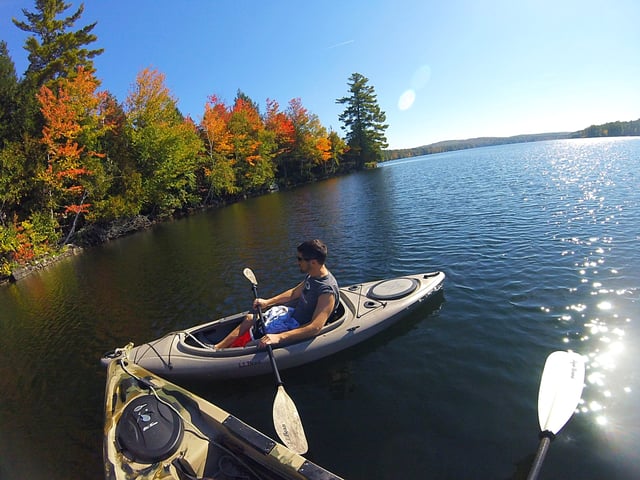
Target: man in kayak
[{"x": 297, "y": 313}]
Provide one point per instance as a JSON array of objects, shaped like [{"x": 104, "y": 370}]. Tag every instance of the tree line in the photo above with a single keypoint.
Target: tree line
[
  {"x": 610, "y": 129},
  {"x": 72, "y": 156}
]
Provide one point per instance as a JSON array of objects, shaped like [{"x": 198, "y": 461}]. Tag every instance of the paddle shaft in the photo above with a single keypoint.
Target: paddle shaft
[
  {"x": 286, "y": 419},
  {"x": 260, "y": 322},
  {"x": 545, "y": 441},
  {"x": 269, "y": 349}
]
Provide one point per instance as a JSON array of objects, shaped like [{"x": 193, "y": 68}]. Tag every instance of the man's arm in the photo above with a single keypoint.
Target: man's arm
[
  {"x": 283, "y": 298},
  {"x": 324, "y": 309}
]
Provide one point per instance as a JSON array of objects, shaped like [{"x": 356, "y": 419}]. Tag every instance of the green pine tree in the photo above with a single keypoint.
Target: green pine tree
[
  {"x": 364, "y": 122},
  {"x": 55, "y": 50},
  {"x": 8, "y": 95}
]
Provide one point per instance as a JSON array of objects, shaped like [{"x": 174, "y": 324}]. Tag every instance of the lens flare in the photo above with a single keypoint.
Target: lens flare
[
  {"x": 421, "y": 77},
  {"x": 405, "y": 102},
  {"x": 419, "y": 80}
]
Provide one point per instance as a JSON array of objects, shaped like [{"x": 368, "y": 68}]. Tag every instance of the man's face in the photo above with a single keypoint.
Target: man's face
[{"x": 303, "y": 263}]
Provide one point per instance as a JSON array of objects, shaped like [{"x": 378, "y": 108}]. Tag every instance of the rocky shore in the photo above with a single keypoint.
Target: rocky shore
[
  {"x": 89, "y": 236},
  {"x": 96, "y": 234},
  {"x": 21, "y": 272}
]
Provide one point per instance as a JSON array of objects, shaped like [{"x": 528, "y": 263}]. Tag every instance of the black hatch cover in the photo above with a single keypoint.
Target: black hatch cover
[{"x": 148, "y": 430}]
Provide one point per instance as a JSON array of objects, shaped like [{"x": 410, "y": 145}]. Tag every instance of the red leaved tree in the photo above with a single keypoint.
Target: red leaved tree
[
  {"x": 219, "y": 148},
  {"x": 253, "y": 149},
  {"x": 283, "y": 133},
  {"x": 71, "y": 132}
]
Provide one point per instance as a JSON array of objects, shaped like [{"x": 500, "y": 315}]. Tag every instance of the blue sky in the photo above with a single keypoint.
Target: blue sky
[{"x": 441, "y": 70}]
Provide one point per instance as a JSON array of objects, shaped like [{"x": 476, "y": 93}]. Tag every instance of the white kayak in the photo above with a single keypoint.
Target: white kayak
[{"x": 365, "y": 309}]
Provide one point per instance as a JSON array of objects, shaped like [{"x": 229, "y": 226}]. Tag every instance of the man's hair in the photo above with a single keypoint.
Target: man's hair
[{"x": 313, "y": 250}]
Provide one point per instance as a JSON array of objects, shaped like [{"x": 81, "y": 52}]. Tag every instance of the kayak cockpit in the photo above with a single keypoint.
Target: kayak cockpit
[{"x": 205, "y": 337}]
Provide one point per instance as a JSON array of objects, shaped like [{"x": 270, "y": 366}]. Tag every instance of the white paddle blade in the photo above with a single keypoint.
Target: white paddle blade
[
  {"x": 287, "y": 422},
  {"x": 560, "y": 389},
  {"x": 248, "y": 273}
]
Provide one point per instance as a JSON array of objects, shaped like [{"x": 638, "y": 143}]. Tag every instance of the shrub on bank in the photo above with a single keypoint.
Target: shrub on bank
[{"x": 22, "y": 243}]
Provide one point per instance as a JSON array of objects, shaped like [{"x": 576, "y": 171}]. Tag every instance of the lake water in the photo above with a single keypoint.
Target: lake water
[{"x": 540, "y": 246}]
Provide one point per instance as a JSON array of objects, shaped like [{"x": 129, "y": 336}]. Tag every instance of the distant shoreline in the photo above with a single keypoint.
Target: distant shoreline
[
  {"x": 611, "y": 129},
  {"x": 452, "y": 145}
]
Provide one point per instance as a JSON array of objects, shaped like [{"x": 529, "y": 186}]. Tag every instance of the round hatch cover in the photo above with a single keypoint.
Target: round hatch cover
[
  {"x": 393, "y": 289},
  {"x": 148, "y": 430}
]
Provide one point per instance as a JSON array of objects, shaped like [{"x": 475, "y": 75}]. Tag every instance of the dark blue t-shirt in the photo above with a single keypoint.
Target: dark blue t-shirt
[{"x": 313, "y": 288}]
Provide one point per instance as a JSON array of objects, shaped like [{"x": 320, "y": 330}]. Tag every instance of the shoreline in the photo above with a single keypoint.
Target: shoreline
[
  {"x": 40, "y": 264},
  {"x": 89, "y": 236},
  {"x": 92, "y": 235}
]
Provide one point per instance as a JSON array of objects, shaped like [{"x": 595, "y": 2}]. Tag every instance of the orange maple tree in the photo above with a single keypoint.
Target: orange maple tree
[
  {"x": 245, "y": 124},
  {"x": 282, "y": 127},
  {"x": 219, "y": 148},
  {"x": 312, "y": 146},
  {"x": 72, "y": 117}
]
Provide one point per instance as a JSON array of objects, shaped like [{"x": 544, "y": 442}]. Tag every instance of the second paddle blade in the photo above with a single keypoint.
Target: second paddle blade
[{"x": 560, "y": 389}]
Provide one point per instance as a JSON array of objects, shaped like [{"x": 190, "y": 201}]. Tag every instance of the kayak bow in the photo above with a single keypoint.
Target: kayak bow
[{"x": 157, "y": 430}]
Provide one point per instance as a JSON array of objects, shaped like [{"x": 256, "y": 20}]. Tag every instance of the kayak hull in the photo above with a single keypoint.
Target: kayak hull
[
  {"x": 365, "y": 310},
  {"x": 157, "y": 430}
]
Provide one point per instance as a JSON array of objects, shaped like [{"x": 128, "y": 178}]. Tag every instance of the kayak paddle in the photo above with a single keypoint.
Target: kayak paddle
[
  {"x": 560, "y": 391},
  {"x": 285, "y": 414}
]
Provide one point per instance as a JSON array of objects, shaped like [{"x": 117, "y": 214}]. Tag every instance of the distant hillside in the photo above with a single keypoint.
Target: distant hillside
[
  {"x": 450, "y": 145},
  {"x": 613, "y": 129}
]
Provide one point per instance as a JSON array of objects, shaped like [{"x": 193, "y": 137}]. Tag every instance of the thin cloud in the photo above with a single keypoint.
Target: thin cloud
[{"x": 341, "y": 44}]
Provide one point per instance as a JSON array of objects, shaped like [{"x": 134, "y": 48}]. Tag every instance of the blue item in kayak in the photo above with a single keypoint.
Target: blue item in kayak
[{"x": 279, "y": 319}]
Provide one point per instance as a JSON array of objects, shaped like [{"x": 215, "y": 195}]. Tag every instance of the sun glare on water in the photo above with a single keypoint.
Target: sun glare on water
[{"x": 597, "y": 310}]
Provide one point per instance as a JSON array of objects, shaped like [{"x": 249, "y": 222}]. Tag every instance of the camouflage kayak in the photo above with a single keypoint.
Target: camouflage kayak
[
  {"x": 157, "y": 430},
  {"x": 365, "y": 309}
]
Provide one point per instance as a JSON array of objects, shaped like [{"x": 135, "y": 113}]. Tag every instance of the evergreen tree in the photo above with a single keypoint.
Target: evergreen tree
[
  {"x": 17, "y": 167},
  {"x": 364, "y": 121},
  {"x": 240, "y": 95},
  {"x": 8, "y": 94},
  {"x": 54, "y": 50}
]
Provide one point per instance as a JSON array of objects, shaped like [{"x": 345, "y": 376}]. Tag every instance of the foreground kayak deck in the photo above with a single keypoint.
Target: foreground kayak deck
[
  {"x": 365, "y": 309},
  {"x": 157, "y": 430}
]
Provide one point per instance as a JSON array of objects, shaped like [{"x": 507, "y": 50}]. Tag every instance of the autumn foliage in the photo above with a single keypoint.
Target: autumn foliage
[
  {"x": 247, "y": 151},
  {"x": 74, "y": 156},
  {"x": 71, "y": 115},
  {"x": 95, "y": 160}
]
